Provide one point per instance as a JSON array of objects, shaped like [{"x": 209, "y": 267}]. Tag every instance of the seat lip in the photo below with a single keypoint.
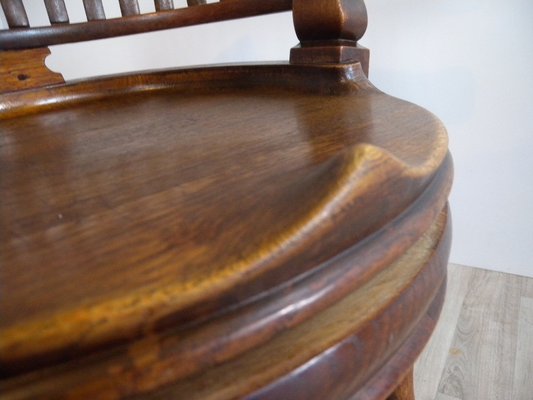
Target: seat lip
[
  {"x": 383, "y": 376},
  {"x": 329, "y": 79}
]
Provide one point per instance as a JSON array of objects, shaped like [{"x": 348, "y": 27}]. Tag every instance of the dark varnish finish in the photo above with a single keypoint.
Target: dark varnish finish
[
  {"x": 57, "y": 11},
  {"x": 134, "y": 23},
  {"x": 15, "y": 13},
  {"x": 329, "y": 31},
  {"x": 161, "y": 5},
  {"x": 129, "y": 7},
  {"x": 275, "y": 231},
  {"x": 94, "y": 9}
]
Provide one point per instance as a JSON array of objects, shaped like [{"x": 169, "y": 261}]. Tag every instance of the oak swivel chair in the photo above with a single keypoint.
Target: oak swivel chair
[{"x": 273, "y": 231}]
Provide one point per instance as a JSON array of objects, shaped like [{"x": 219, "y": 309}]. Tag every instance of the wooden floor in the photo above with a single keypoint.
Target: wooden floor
[{"x": 482, "y": 348}]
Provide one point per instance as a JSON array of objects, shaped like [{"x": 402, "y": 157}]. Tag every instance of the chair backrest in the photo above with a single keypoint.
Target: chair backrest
[
  {"x": 328, "y": 29},
  {"x": 21, "y": 36}
]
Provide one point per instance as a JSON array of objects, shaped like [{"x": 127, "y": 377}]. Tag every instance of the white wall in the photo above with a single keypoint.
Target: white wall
[{"x": 470, "y": 62}]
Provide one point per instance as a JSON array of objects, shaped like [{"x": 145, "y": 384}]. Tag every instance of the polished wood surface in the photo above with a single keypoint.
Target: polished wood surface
[
  {"x": 98, "y": 28},
  {"x": 57, "y": 11},
  {"x": 249, "y": 231},
  {"x": 25, "y": 69},
  {"x": 102, "y": 216},
  {"x": 323, "y": 20},
  {"x": 329, "y": 32},
  {"x": 161, "y": 5},
  {"x": 94, "y": 9},
  {"x": 299, "y": 141},
  {"x": 129, "y": 7},
  {"x": 15, "y": 13}
]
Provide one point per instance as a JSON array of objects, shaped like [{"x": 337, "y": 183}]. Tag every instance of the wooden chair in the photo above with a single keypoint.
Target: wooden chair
[{"x": 273, "y": 231}]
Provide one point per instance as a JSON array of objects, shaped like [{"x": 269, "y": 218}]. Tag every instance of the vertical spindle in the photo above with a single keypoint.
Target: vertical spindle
[
  {"x": 57, "y": 12},
  {"x": 129, "y": 7},
  {"x": 195, "y": 2},
  {"x": 162, "y": 5},
  {"x": 15, "y": 13},
  {"x": 94, "y": 10}
]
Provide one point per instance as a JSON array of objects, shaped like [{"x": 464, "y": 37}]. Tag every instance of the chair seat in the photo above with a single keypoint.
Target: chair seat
[{"x": 165, "y": 203}]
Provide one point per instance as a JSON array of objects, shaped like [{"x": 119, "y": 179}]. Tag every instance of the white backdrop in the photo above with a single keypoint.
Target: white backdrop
[{"x": 468, "y": 61}]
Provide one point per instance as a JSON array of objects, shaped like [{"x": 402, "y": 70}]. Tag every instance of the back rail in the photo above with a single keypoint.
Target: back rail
[{"x": 22, "y": 36}]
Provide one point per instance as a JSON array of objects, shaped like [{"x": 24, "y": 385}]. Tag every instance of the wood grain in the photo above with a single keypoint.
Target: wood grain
[
  {"x": 329, "y": 32},
  {"x": 527, "y": 288},
  {"x": 24, "y": 69},
  {"x": 441, "y": 396},
  {"x": 94, "y": 9},
  {"x": 498, "y": 363},
  {"x": 15, "y": 13},
  {"x": 431, "y": 363},
  {"x": 324, "y": 20},
  {"x": 134, "y": 169},
  {"x": 288, "y": 350},
  {"x": 203, "y": 264},
  {"x": 129, "y": 7},
  {"x": 523, "y": 364},
  {"x": 57, "y": 11},
  {"x": 254, "y": 231},
  {"x": 161, "y": 5},
  {"x": 311, "y": 79},
  {"x": 494, "y": 307}
]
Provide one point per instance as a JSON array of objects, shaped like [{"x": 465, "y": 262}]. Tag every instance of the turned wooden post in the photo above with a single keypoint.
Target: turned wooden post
[{"x": 329, "y": 31}]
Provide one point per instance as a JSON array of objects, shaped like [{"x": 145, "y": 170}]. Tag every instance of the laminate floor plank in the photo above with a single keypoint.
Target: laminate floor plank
[
  {"x": 481, "y": 360},
  {"x": 523, "y": 368},
  {"x": 433, "y": 359},
  {"x": 441, "y": 396},
  {"x": 484, "y": 336},
  {"x": 527, "y": 288}
]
